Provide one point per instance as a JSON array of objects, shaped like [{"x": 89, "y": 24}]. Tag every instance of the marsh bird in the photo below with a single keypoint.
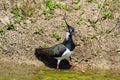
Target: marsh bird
[{"x": 62, "y": 50}]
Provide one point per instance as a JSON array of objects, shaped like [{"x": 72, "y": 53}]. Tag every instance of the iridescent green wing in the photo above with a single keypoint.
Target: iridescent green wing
[{"x": 58, "y": 50}]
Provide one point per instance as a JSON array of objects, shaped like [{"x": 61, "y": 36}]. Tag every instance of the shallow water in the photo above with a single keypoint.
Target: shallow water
[{"x": 52, "y": 74}]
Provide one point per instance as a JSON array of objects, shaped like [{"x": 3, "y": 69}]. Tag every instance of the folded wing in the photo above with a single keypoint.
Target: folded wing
[{"x": 55, "y": 51}]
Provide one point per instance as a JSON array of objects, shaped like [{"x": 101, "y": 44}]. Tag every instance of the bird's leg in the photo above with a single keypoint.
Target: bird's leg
[
  {"x": 57, "y": 67},
  {"x": 71, "y": 64},
  {"x": 58, "y": 62}
]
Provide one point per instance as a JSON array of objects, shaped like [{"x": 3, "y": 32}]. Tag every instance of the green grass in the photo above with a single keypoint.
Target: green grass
[
  {"x": 62, "y": 24},
  {"x": 46, "y": 12},
  {"x": 90, "y": 1},
  {"x": 77, "y": 6},
  {"x": 49, "y": 7},
  {"x": 61, "y": 5},
  {"x": 18, "y": 78},
  {"x": 77, "y": 43},
  {"x": 39, "y": 31},
  {"x": 108, "y": 15},
  {"x": 50, "y": 4},
  {"x": 1, "y": 30},
  {"x": 44, "y": 73},
  {"x": 79, "y": 20},
  {"x": 118, "y": 50},
  {"x": 115, "y": 34},
  {"x": 76, "y": 75},
  {"x": 17, "y": 15},
  {"x": 33, "y": 20},
  {"x": 27, "y": 11},
  {"x": 44, "y": 45},
  {"x": 91, "y": 36},
  {"x": 92, "y": 23},
  {"x": 10, "y": 26},
  {"x": 1, "y": 47}
]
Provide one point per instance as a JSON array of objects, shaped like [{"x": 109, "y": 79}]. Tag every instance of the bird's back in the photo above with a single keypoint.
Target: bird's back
[{"x": 54, "y": 51}]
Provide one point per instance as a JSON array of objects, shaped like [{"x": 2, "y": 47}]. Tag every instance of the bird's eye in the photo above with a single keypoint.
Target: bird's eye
[{"x": 70, "y": 30}]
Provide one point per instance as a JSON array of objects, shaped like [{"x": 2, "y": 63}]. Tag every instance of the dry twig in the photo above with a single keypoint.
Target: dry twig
[
  {"x": 103, "y": 2},
  {"x": 117, "y": 23}
]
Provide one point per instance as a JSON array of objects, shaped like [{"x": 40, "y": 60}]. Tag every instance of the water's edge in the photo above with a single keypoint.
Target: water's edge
[{"x": 29, "y": 72}]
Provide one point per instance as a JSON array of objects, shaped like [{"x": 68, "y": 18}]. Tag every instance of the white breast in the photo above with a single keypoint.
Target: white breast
[{"x": 65, "y": 55}]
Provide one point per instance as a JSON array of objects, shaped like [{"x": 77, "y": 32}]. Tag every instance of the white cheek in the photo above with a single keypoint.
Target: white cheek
[{"x": 67, "y": 35}]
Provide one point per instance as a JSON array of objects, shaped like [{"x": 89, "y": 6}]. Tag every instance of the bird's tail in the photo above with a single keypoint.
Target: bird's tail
[{"x": 41, "y": 52}]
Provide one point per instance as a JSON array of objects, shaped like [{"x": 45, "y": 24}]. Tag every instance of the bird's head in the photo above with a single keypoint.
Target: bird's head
[{"x": 69, "y": 29}]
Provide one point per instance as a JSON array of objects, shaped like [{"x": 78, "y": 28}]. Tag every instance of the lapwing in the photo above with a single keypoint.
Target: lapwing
[{"x": 62, "y": 50}]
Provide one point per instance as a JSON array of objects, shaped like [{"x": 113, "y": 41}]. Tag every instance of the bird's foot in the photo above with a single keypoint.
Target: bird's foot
[
  {"x": 57, "y": 67},
  {"x": 78, "y": 67}
]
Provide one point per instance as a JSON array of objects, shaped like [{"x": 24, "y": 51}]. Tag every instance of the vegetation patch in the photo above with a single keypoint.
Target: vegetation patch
[
  {"x": 39, "y": 31},
  {"x": 1, "y": 30},
  {"x": 51, "y": 74},
  {"x": 79, "y": 20},
  {"x": 118, "y": 50},
  {"x": 10, "y": 26},
  {"x": 54, "y": 34}
]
